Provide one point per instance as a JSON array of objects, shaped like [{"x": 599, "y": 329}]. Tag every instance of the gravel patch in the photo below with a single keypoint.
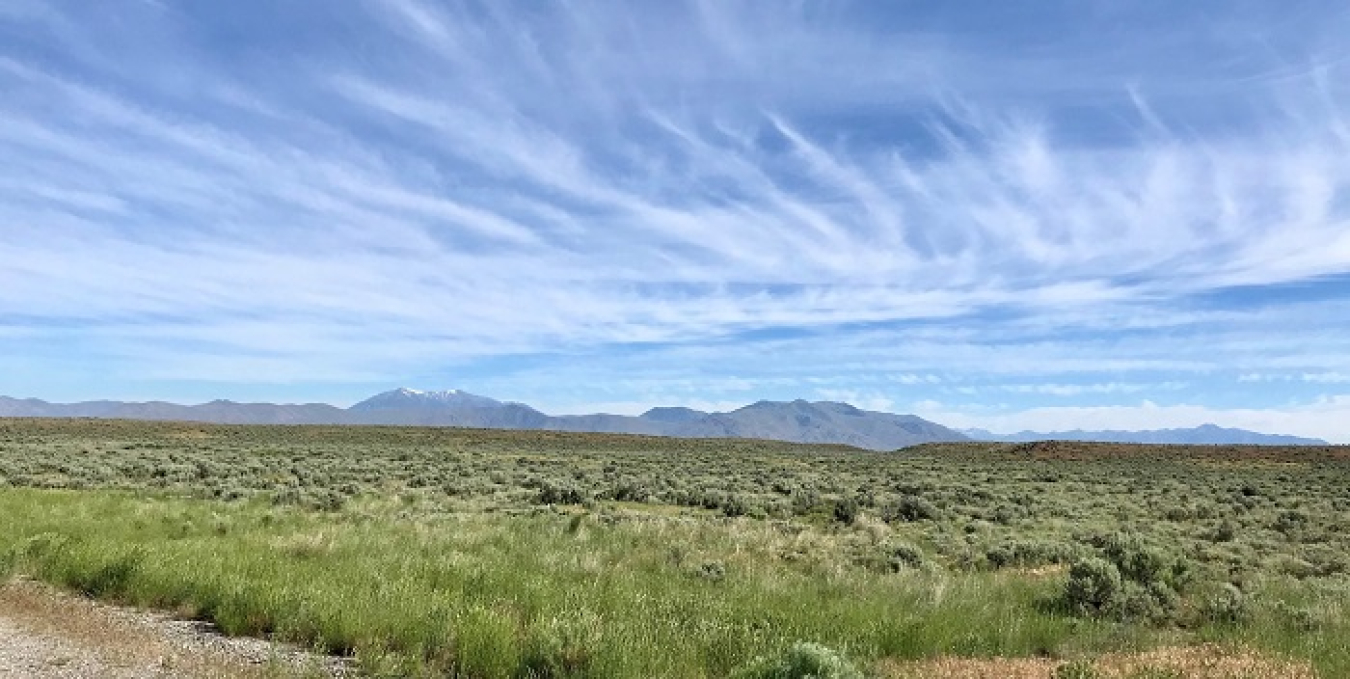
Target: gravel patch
[{"x": 48, "y": 634}]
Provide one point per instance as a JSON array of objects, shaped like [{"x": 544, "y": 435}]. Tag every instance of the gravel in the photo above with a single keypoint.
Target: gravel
[{"x": 47, "y": 634}]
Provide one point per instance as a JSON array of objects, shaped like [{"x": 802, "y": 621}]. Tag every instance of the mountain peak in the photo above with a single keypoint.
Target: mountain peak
[{"x": 404, "y": 397}]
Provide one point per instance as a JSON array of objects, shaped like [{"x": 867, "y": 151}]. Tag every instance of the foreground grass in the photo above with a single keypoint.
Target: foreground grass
[
  {"x": 496, "y": 596},
  {"x": 494, "y": 554}
]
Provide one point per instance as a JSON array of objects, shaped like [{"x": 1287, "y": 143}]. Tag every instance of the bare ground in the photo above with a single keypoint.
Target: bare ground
[
  {"x": 1191, "y": 662},
  {"x": 47, "y": 634}
]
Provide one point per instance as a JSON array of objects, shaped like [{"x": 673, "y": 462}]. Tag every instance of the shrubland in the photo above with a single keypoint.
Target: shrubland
[{"x": 501, "y": 554}]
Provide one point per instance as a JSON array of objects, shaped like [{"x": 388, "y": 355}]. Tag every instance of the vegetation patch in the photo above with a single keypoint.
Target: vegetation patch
[{"x": 427, "y": 552}]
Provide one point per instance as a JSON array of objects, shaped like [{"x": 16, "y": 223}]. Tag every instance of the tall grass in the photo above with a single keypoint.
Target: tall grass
[
  {"x": 482, "y": 595},
  {"x": 1308, "y": 619}
]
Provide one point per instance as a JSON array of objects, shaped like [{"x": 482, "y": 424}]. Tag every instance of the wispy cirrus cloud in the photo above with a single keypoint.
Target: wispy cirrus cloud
[
  {"x": 1091, "y": 388},
  {"x": 493, "y": 195}
]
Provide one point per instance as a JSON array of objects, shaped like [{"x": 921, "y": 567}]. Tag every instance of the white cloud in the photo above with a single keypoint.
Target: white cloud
[
  {"x": 1051, "y": 389},
  {"x": 914, "y": 379},
  {"x": 1327, "y": 417},
  {"x": 1327, "y": 377}
]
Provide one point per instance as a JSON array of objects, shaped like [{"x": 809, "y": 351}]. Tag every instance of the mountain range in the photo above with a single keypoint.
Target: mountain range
[{"x": 796, "y": 421}]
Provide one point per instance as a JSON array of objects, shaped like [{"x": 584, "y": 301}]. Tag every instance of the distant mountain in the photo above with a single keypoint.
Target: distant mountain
[
  {"x": 434, "y": 400},
  {"x": 609, "y": 424},
  {"x": 1205, "y": 434},
  {"x": 819, "y": 422},
  {"x": 444, "y": 408},
  {"x": 223, "y": 412},
  {"x": 666, "y": 414},
  {"x": 796, "y": 421}
]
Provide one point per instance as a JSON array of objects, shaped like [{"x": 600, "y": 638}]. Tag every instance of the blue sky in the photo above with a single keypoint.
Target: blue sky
[{"x": 1009, "y": 215}]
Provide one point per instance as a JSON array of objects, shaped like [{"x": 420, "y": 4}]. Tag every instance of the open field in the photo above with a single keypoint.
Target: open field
[{"x": 498, "y": 554}]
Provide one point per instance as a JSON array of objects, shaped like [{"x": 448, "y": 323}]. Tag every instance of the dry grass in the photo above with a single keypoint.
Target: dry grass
[
  {"x": 42, "y": 610},
  {"x": 1193, "y": 662},
  {"x": 1207, "y": 662},
  {"x": 968, "y": 668}
]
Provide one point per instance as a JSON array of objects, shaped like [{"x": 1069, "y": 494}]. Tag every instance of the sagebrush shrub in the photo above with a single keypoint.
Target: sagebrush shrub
[
  {"x": 904, "y": 555},
  {"x": 1094, "y": 586},
  {"x": 559, "y": 494},
  {"x": 804, "y": 660},
  {"x": 846, "y": 510},
  {"x": 1028, "y": 553},
  {"x": 712, "y": 570},
  {"x": 1229, "y": 605},
  {"x": 911, "y": 508},
  {"x": 1135, "y": 581},
  {"x": 735, "y": 505},
  {"x": 1143, "y": 563}
]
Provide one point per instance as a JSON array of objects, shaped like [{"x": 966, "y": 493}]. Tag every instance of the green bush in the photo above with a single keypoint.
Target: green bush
[
  {"x": 287, "y": 496},
  {"x": 846, "y": 510},
  {"x": 1094, "y": 586},
  {"x": 804, "y": 660},
  {"x": 1143, "y": 563},
  {"x": 911, "y": 508},
  {"x": 1154, "y": 602},
  {"x": 326, "y": 500},
  {"x": 712, "y": 570},
  {"x": 1028, "y": 553},
  {"x": 559, "y": 494},
  {"x": 1134, "y": 581},
  {"x": 1229, "y": 605},
  {"x": 735, "y": 505},
  {"x": 1226, "y": 531},
  {"x": 901, "y": 555}
]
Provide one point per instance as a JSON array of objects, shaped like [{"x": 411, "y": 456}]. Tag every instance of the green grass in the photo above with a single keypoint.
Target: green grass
[
  {"x": 429, "y": 551},
  {"x": 484, "y": 595}
]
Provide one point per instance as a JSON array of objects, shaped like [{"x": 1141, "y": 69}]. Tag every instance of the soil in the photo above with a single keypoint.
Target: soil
[
  {"x": 48, "y": 634},
  {"x": 1193, "y": 662}
]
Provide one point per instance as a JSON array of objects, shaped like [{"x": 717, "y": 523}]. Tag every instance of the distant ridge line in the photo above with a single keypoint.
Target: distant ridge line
[
  {"x": 797, "y": 421},
  {"x": 792, "y": 421}
]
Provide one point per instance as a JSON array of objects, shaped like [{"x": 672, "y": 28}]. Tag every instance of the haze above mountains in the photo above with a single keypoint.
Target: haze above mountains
[
  {"x": 1205, "y": 434},
  {"x": 796, "y": 421}
]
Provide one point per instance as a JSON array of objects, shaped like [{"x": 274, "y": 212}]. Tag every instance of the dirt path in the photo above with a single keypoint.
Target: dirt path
[{"x": 46, "y": 634}]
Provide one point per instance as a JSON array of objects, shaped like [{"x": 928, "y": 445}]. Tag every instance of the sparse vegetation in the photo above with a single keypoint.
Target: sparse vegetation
[{"x": 502, "y": 554}]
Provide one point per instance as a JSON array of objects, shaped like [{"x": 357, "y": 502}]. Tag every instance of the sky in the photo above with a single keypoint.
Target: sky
[{"x": 1046, "y": 215}]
